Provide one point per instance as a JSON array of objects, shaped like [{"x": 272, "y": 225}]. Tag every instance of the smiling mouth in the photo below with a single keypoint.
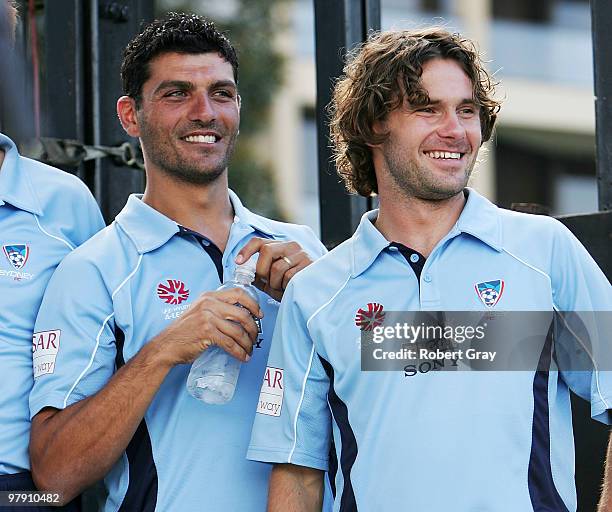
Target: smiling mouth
[
  {"x": 444, "y": 155},
  {"x": 201, "y": 139}
]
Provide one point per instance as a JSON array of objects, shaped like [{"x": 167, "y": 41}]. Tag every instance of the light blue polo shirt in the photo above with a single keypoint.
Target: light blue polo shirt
[
  {"x": 44, "y": 214},
  {"x": 437, "y": 440},
  {"x": 104, "y": 303}
]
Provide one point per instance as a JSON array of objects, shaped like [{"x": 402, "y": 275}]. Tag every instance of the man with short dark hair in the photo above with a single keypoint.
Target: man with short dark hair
[
  {"x": 408, "y": 119},
  {"x": 44, "y": 214},
  {"x": 134, "y": 307}
]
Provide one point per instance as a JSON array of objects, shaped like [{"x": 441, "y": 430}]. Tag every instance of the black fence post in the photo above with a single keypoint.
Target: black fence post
[
  {"x": 601, "y": 14},
  {"x": 112, "y": 25},
  {"x": 339, "y": 26}
]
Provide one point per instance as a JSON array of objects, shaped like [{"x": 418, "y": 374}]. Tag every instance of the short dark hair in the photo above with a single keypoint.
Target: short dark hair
[
  {"x": 378, "y": 76},
  {"x": 177, "y": 32}
]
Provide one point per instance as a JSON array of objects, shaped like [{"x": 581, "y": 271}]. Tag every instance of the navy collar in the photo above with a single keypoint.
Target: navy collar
[
  {"x": 479, "y": 218},
  {"x": 16, "y": 186}
]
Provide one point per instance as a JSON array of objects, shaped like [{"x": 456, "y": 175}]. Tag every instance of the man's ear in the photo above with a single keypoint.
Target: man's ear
[
  {"x": 126, "y": 111},
  {"x": 379, "y": 128},
  {"x": 239, "y": 100}
]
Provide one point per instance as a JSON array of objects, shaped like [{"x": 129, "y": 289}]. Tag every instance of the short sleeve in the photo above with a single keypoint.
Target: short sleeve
[
  {"x": 292, "y": 424},
  {"x": 73, "y": 345},
  {"x": 583, "y": 297}
]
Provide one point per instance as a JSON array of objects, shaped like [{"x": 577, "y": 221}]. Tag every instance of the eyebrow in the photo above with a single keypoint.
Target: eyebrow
[
  {"x": 464, "y": 101},
  {"x": 189, "y": 86},
  {"x": 224, "y": 83},
  {"x": 177, "y": 84}
]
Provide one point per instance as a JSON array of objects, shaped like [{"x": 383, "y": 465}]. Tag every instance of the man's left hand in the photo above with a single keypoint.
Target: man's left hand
[{"x": 278, "y": 262}]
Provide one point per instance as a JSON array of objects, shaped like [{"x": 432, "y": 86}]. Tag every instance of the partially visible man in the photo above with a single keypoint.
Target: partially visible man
[
  {"x": 131, "y": 309},
  {"x": 44, "y": 214},
  {"x": 8, "y": 21},
  {"x": 13, "y": 106},
  {"x": 409, "y": 118}
]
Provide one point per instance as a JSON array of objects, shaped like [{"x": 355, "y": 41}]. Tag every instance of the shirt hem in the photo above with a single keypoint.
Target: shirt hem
[
  {"x": 282, "y": 456},
  {"x": 600, "y": 411},
  {"x": 52, "y": 400}
]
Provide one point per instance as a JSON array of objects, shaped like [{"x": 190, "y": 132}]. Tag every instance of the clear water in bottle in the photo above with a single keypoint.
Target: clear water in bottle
[{"x": 214, "y": 374}]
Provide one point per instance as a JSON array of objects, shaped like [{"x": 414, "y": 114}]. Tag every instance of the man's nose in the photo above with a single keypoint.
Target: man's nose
[
  {"x": 451, "y": 126},
  {"x": 202, "y": 109}
]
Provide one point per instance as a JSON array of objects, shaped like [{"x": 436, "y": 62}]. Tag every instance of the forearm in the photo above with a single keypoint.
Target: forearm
[
  {"x": 295, "y": 489},
  {"x": 72, "y": 448},
  {"x": 605, "y": 503}
]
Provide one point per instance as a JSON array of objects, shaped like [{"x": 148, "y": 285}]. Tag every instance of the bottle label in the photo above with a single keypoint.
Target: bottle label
[{"x": 255, "y": 319}]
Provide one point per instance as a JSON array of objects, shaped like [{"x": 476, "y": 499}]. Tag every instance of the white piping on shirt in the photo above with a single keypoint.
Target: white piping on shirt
[
  {"x": 70, "y": 246},
  {"x": 328, "y": 302},
  {"x": 528, "y": 265},
  {"x": 297, "y": 412},
  {"x": 595, "y": 369},
  {"x": 93, "y": 354}
]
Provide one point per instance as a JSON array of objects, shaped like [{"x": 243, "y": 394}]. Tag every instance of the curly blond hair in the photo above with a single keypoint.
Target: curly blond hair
[{"x": 379, "y": 75}]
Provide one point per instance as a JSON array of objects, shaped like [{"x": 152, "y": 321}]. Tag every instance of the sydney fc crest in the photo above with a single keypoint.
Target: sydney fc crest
[
  {"x": 17, "y": 254},
  {"x": 490, "y": 292}
]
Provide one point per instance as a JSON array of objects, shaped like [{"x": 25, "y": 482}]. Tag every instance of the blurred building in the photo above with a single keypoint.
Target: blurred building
[{"x": 541, "y": 51}]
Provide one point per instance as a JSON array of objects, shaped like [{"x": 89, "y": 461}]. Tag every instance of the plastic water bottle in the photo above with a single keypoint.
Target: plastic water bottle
[{"x": 214, "y": 373}]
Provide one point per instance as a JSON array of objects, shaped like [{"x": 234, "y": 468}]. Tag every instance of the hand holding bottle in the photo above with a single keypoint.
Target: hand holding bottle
[
  {"x": 214, "y": 374},
  {"x": 212, "y": 319}
]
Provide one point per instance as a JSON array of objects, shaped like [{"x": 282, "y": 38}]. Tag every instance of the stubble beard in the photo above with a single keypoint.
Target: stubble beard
[
  {"x": 415, "y": 181},
  {"x": 168, "y": 159}
]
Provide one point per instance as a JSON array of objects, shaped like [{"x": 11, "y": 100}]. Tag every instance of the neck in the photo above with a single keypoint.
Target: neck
[
  {"x": 205, "y": 209},
  {"x": 1, "y": 158},
  {"x": 417, "y": 223}
]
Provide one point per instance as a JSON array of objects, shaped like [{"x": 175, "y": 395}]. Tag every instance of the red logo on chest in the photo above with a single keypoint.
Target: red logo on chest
[
  {"x": 172, "y": 291},
  {"x": 369, "y": 317}
]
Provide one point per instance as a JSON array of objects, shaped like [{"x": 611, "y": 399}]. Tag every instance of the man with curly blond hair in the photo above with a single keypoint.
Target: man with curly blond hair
[
  {"x": 386, "y": 75},
  {"x": 409, "y": 117}
]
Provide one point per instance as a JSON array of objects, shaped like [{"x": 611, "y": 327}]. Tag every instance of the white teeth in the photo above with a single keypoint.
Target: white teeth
[
  {"x": 206, "y": 139},
  {"x": 443, "y": 154}
]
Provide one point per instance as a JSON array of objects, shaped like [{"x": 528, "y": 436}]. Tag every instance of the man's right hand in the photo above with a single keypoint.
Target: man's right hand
[{"x": 213, "y": 319}]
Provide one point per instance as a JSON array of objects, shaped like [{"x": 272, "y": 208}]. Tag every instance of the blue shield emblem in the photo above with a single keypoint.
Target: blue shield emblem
[
  {"x": 490, "y": 292},
  {"x": 17, "y": 254}
]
